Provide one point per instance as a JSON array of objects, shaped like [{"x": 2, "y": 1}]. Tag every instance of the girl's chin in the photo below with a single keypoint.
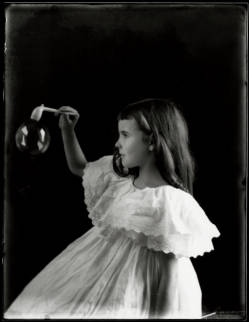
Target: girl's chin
[
  {"x": 127, "y": 165},
  {"x": 124, "y": 163}
]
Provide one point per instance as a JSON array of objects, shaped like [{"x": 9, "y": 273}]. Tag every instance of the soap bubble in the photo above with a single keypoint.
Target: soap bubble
[{"x": 32, "y": 137}]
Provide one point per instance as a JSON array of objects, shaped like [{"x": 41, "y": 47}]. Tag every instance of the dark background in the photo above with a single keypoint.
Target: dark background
[{"x": 97, "y": 58}]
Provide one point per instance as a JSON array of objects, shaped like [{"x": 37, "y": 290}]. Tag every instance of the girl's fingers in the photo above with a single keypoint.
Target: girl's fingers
[
  {"x": 72, "y": 114},
  {"x": 68, "y": 117},
  {"x": 67, "y": 113},
  {"x": 68, "y": 109},
  {"x": 67, "y": 120},
  {"x": 65, "y": 108}
]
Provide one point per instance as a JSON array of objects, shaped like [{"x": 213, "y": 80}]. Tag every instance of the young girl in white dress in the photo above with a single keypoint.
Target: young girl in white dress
[{"x": 135, "y": 260}]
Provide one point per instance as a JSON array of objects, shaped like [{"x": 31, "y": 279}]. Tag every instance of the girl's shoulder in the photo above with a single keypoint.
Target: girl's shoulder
[
  {"x": 177, "y": 195},
  {"x": 173, "y": 202},
  {"x": 103, "y": 162},
  {"x": 179, "y": 198},
  {"x": 100, "y": 168},
  {"x": 168, "y": 193},
  {"x": 97, "y": 178}
]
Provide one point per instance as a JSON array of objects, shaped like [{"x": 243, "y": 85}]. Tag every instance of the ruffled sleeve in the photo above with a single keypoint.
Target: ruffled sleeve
[
  {"x": 189, "y": 232},
  {"x": 96, "y": 178},
  {"x": 162, "y": 219}
]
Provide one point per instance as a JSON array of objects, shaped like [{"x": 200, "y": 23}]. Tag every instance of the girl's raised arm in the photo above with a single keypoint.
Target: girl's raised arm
[{"x": 75, "y": 157}]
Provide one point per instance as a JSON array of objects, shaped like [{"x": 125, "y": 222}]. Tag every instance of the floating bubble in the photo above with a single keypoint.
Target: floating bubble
[{"x": 32, "y": 137}]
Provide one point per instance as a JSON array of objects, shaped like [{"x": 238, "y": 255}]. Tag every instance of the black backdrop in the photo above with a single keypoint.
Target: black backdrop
[{"x": 97, "y": 58}]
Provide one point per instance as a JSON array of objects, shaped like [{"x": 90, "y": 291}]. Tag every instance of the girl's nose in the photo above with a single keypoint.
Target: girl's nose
[{"x": 117, "y": 144}]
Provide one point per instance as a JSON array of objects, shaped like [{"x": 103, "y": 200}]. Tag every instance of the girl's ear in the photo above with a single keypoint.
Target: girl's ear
[
  {"x": 151, "y": 147},
  {"x": 151, "y": 143}
]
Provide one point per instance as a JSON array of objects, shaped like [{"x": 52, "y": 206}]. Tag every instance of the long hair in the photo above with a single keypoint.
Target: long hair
[{"x": 162, "y": 121}]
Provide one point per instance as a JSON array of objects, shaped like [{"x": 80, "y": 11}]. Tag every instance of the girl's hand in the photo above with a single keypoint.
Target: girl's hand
[{"x": 67, "y": 121}]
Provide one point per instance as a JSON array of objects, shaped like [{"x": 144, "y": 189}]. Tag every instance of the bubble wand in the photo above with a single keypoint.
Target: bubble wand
[{"x": 38, "y": 111}]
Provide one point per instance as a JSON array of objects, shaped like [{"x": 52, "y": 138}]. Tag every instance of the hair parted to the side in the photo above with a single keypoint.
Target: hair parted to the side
[{"x": 162, "y": 121}]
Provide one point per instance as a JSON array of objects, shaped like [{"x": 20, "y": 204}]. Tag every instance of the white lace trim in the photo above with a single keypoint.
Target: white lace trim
[
  {"x": 96, "y": 176},
  {"x": 170, "y": 234},
  {"x": 182, "y": 245}
]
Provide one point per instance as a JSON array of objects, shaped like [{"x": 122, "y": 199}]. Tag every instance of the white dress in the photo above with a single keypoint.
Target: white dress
[{"x": 115, "y": 269}]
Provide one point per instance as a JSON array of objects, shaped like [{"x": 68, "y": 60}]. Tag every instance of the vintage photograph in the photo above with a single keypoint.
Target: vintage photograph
[{"x": 125, "y": 161}]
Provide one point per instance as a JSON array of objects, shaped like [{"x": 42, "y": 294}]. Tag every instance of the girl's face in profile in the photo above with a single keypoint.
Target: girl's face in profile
[{"x": 131, "y": 145}]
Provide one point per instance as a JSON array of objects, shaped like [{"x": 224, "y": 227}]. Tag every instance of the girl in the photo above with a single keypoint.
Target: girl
[{"x": 135, "y": 261}]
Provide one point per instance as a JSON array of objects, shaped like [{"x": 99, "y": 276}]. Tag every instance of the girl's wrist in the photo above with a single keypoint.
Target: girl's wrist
[{"x": 67, "y": 130}]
